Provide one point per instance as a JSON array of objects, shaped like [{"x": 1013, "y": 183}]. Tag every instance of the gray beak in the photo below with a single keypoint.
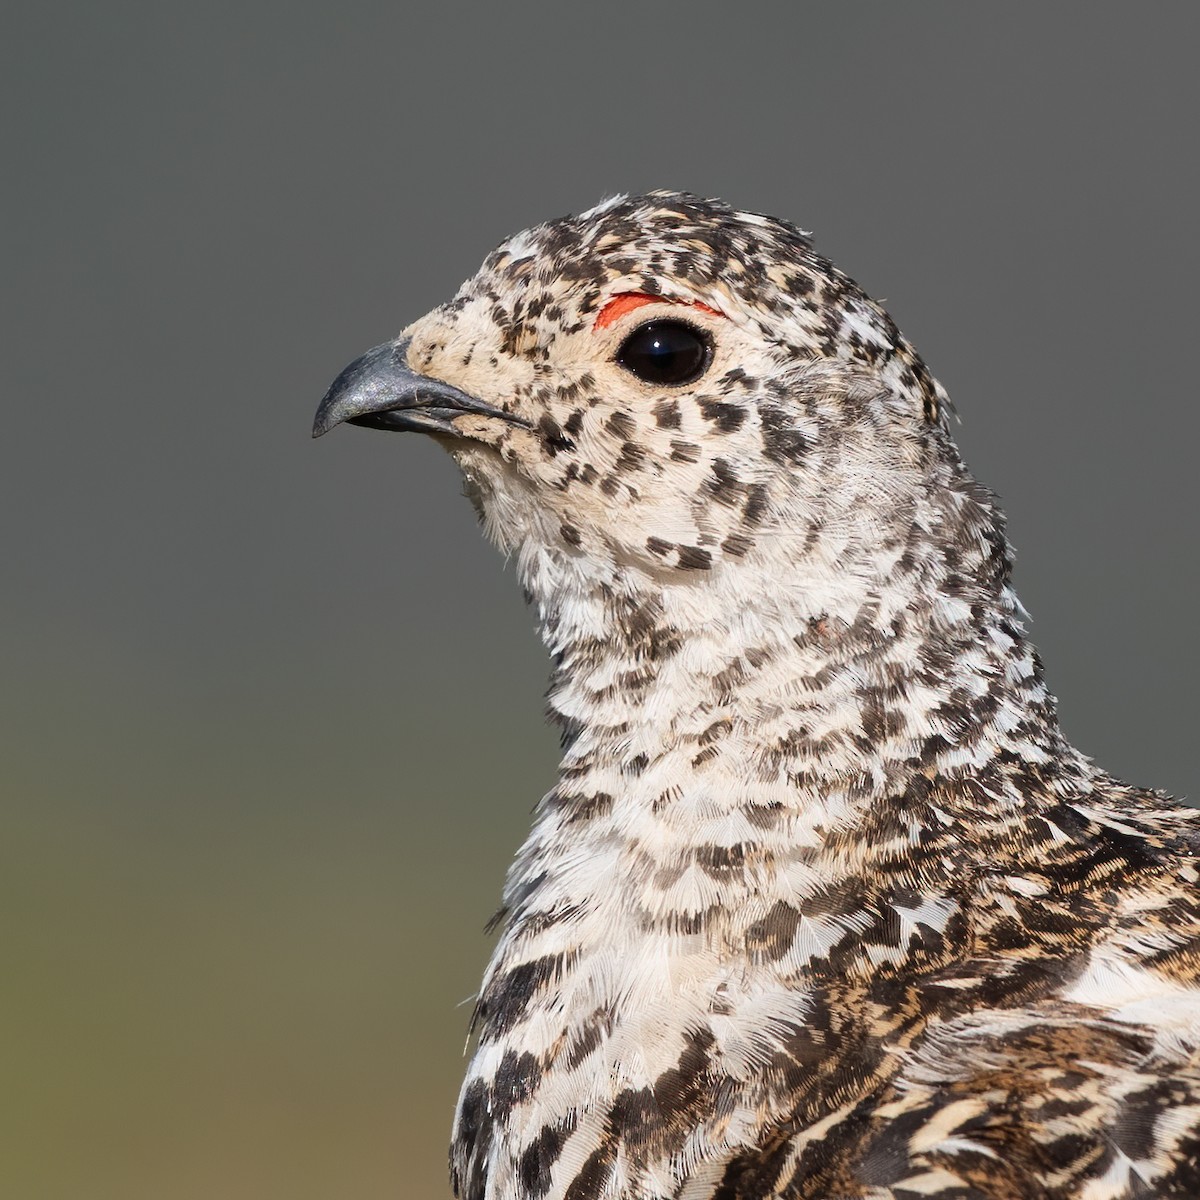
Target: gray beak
[{"x": 381, "y": 391}]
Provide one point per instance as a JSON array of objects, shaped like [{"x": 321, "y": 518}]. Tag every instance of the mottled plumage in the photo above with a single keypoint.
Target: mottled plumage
[{"x": 822, "y": 904}]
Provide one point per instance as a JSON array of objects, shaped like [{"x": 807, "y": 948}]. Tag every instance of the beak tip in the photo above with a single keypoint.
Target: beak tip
[
  {"x": 320, "y": 426},
  {"x": 365, "y": 385}
]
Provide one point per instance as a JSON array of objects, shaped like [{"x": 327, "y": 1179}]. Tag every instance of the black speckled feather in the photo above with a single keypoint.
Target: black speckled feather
[{"x": 823, "y": 904}]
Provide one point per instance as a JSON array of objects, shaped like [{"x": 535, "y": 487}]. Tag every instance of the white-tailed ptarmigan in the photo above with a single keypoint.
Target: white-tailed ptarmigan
[{"x": 823, "y": 904}]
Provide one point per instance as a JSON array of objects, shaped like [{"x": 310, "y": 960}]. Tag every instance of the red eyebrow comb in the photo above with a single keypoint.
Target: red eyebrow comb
[{"x": 626, "y": 302}]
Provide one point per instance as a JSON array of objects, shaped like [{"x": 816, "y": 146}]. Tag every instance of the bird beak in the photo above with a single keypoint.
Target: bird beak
[{"x": 381, "y": 391}]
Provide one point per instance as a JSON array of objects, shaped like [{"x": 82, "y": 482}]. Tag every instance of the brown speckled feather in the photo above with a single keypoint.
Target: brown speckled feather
[{"x": 823, "y": 904}]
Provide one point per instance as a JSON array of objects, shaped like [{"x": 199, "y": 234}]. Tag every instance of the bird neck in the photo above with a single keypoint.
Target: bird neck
[
  {"x": 791, "y": 725},
  {"x": 750, "y": 690}
]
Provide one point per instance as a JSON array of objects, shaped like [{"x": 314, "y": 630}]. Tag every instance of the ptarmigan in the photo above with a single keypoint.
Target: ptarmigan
[{"x": 822, "y": 904}]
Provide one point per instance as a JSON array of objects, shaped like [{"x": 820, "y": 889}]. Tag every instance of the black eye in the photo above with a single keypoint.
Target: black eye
[{"x": 670, "y": 352}]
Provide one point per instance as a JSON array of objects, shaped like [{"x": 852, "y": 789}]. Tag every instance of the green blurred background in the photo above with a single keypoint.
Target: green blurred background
[{"x": 271, "y": 708}]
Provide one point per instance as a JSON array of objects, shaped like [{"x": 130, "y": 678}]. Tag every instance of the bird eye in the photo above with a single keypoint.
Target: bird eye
[{"x": 670, "y": 352}]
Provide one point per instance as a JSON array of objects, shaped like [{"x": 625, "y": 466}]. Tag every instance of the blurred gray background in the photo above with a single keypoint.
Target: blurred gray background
[{"x": 247, "y": 851}]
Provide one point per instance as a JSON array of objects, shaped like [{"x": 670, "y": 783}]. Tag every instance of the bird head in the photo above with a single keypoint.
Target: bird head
[{"x": 664, "y": 389}]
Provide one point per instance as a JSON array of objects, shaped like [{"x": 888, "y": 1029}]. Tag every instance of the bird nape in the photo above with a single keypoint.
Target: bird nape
[{"x": 823, "y": 904}]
